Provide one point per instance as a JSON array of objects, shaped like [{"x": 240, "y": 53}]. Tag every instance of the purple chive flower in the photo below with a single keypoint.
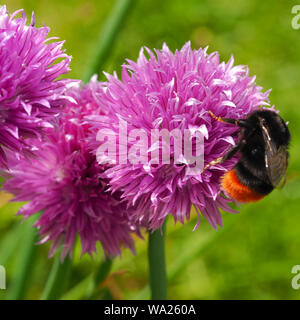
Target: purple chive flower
[
  {"x": 177, "y": 90},
  {"x": 65, "y": 183},
  {"x": 30, "y": 96}
]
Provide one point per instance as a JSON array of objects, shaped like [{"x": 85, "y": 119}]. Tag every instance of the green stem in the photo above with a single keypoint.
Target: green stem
[
  {"x": 108, "y": 36},
  {"x": 157, "y": 264},
  {"x": 98, "y": 278},
  {"x": 57, "y": 278},
  {"x": 26, "y": 263}
]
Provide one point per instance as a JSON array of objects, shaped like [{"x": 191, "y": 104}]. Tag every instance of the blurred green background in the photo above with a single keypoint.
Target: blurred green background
[{"x": 252, "y": 256}]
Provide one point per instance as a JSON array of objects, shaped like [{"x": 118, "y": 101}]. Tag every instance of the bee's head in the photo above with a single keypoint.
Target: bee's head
[{"x": 275, "y": 125}]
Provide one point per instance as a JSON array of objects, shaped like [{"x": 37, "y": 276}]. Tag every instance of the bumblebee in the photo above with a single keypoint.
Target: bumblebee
[{"x": 263, "y": 148}]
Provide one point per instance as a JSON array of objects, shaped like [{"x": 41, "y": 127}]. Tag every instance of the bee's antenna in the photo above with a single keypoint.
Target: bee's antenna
[
  {"x": 214, "y": 116},
  {"x": 237, "y": 122}
]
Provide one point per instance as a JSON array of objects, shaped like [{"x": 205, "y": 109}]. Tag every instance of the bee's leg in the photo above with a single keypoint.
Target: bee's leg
[
  {"x": 237, "y": 122},
  {"x": 228, "y": 155}
]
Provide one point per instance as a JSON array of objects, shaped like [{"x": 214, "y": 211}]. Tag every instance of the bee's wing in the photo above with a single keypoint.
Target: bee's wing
[
  {"x": 276, "y": 164},
  {"x": 276, "y": 160}
]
